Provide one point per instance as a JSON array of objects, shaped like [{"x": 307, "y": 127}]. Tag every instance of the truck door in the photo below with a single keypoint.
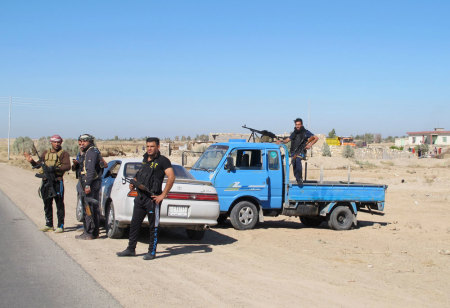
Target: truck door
[
  {"x": 248, "y": 178},
  {"x": 275, "y": 176}
]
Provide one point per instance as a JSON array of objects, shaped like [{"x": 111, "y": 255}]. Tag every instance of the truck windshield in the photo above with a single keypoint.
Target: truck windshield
[{"x": 210, "y": 158}]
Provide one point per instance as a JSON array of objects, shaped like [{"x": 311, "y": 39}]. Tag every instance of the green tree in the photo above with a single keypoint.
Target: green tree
[
  {"x": 332, "y": 134},
  {"x": 71, "y": 146},
  {"x": 22, "y": 144},
  {"x": 326, "y": 150},
  {"x": 348, "y": 152}
]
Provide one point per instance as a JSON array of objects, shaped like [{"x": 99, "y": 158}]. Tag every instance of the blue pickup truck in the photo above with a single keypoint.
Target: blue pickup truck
[{"x": 252, "y": 181}]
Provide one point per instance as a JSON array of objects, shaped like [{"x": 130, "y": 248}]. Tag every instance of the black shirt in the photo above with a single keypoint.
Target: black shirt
[{"x": 152, "y": 172}]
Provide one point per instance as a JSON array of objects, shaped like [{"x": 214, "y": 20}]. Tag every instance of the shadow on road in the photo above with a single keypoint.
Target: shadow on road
[{"x": 285, "y": 224}]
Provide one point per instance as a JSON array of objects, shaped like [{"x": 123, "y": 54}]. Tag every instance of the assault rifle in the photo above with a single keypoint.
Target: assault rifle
[
  {"x": 261, "y": 132},
  {"x": 301, "y": 148},
  {"x": 48, "y": 176},
  {"x": 139, "y": 186},
  {"x": 87, "y": 201}
]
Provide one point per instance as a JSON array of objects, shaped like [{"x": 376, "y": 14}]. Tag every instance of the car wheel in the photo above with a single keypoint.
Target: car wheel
[
  {"x": 195, "y": 234},
  {"x": 341, "y": 218},
  {"x": 244, "y": 216},
  {"x": 111, "y": 225},
  {"x": 309, "y": 221},
  {"x": 79, "y": 210}
]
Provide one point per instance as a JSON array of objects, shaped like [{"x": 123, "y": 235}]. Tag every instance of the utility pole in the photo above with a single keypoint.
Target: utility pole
[{"x": 9, "y": 125}]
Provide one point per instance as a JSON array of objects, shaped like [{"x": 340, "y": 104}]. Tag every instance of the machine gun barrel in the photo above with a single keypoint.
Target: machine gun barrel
[{"x": 261, "y": 132}]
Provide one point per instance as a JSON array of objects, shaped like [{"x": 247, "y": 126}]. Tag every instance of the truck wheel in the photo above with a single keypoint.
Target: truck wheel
[
  {"x": 111, "y": 225},
  {"x": 341, "y": 218},
  {"x": 195, "y": 234},
  {"x": 244, "y": 216},
  {"x": 79, "y": 210},
  {"x": 309, "y": 221}
]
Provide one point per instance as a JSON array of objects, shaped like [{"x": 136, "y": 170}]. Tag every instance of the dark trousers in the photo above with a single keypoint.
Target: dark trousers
[
  {"x": 59, "y": 201},
  {"x": 92, "y": 221},
  {"x": 297, "y": 167},
  {"x": 144, "y": 207}
]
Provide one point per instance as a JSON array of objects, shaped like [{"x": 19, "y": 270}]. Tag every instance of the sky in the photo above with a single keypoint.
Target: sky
[{"x": 182, "y": 68}]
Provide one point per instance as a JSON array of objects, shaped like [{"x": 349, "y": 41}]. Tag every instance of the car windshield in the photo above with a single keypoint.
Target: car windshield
[
  {"x": 210, "y": 158},
  {"x": 180, "y": 172}
]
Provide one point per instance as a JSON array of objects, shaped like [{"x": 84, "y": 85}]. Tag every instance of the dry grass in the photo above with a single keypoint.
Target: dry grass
[{"x": 365, "y": 164}]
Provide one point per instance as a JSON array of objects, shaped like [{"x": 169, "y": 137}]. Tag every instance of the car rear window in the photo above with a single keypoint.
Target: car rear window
[{"x": 180, "y": 172}]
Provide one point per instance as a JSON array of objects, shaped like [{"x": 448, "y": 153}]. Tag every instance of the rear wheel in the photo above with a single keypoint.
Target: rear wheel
[
  {"x": 111, "y": 225},
  {"x": 341, "y": 218},
  {"x": 309, "y": 221},
  {"x": 244, "y": 216},
  {"x": 195, "y": 234}
]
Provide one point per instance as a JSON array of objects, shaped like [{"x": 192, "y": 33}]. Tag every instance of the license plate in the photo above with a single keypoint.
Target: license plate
[{"x": 178, "y": 211}]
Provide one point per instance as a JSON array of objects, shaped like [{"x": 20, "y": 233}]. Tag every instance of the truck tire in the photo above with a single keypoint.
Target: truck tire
[
  {"x": 79, "y": 210},
  {"x": 341, "y": 218},
  {"x": 244, "y": 215},
  {"x": 310, "y": 221},
  {"x": 195, "y": 234},
  {"x": 111, "y": 225}
]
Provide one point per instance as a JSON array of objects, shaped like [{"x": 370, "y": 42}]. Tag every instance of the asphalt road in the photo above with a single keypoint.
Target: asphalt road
[{"x": 35, "y": 272}]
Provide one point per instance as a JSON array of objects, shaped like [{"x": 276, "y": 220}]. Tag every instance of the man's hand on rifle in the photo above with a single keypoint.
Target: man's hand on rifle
[
  {"x": 87, "y": 190},
  {"x": 131, "y": 186}
]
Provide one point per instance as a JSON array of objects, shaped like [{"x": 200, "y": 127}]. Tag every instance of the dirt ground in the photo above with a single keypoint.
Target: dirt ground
[{"x": 399, "y": 259}]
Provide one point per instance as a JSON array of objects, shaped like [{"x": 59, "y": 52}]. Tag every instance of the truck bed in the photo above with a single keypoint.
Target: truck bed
[{"x": 334, "y": 191}]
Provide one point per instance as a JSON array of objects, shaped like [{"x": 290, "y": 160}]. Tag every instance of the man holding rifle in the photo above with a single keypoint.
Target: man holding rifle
[
  {"x": 148, "y": 182},
  {"x": 301, "y": 140},
  {"x": 90, "y": 175},
  {"x": 53, "y": 163}
]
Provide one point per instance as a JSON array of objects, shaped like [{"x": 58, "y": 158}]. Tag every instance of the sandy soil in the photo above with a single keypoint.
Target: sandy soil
[{"x": 395, "y": 260}]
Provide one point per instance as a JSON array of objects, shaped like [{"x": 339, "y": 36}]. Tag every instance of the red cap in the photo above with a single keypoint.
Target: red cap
[{"x": 56, "y": 138}]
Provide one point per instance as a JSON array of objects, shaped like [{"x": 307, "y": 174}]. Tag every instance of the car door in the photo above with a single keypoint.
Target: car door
[
  {"x": 109, "y": 176},
  {"x": 275, "y": 176},
  {"x": 248, "y": 177}
]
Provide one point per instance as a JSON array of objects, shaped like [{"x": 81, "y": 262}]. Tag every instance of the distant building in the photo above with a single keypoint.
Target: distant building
[
  {"x": 438, "y": 136},
  {"x": 224, "y": 137}
]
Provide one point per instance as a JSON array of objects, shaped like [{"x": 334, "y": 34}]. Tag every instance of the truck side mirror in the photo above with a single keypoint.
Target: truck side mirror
[{"x": 229, "y": 164}]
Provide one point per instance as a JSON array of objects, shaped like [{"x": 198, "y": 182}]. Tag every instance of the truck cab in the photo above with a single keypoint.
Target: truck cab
[{"x": 249, "y": 179}]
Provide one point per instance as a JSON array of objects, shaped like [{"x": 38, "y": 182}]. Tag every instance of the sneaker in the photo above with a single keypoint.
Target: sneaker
[
  {"x": 126, "y": 253},
  {"x": 83, "y": 236},
  {"x": 300, "y": 183},
  {"x": 148, "y": 256},
  {"x": 46, "y": 228},
  {"x": 59, "y": 230}
]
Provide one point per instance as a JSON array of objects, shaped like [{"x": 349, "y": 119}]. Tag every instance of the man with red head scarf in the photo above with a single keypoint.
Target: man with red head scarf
[{"x": 57, "y": 162}]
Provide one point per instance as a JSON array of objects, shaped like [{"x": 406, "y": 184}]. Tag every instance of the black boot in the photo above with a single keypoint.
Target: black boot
[
  {"x": 126, "y": 253},
  {"x": 148, "y": 256}
]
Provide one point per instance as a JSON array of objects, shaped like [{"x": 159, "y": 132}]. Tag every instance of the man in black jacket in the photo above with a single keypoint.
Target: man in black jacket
[
  {"x": 90, "y": 180},
  {"x": 301, "y": 141}
]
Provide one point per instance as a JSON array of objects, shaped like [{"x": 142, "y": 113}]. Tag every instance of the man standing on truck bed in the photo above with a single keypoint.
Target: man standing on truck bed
[
  {"x": 301, "y": 140},
  {"x": 148, "y": 182}
]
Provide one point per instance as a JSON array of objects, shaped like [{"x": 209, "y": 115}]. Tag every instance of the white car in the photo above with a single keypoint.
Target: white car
[{"x": 190, "y": 203}]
